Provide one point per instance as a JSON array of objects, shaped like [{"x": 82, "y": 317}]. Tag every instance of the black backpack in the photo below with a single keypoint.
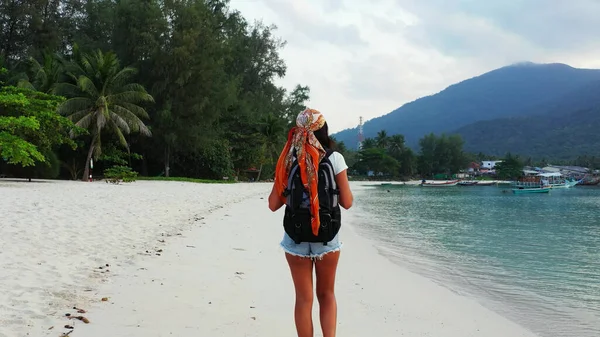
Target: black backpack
[{"x": 296, "y": 220}]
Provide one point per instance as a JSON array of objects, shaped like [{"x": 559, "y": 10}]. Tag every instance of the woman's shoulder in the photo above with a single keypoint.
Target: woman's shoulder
[
  {"x": 338, "y": 162},
  {"x": 337, "y": 154}
]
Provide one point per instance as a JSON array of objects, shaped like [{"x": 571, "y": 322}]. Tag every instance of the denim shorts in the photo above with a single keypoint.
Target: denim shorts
[{"x": 310, "y": 249}]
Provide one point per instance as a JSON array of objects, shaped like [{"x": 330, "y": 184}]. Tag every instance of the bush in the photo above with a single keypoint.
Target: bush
[
  {"x": 118, "y": 174},
  {"x": 49, "y": 169}
]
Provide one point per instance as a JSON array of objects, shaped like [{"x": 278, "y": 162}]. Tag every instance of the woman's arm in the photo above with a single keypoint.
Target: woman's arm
[
  {"x": 275, "y": 202},
  {"x": 346, "y": 197}
]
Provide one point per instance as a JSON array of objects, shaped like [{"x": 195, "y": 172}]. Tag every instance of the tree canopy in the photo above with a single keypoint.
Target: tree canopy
[
  {"x": 389, "y": 156},
  {"x": 30, "y": 127},
  {"x": 184, "y": 88}
]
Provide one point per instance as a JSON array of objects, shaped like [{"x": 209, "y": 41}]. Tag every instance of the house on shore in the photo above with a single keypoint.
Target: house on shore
[{"x": 490, "y": 164}]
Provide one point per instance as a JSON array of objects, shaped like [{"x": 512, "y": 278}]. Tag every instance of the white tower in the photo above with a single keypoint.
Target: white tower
[{"x": 360, "y": 133}]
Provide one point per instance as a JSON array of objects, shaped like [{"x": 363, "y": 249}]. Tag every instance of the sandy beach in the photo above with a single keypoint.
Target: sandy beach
[{"x": 184, "y": 259}]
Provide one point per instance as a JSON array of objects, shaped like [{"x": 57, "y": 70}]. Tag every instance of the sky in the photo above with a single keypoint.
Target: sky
[{"x": 367, "y": 58}]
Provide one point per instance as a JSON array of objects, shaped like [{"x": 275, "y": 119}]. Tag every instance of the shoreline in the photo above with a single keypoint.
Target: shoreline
[{"x": 226, "y": 275}]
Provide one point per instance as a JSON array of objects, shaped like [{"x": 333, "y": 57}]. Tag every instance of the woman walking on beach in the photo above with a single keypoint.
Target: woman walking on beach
[{"x": 315, "y": 242}]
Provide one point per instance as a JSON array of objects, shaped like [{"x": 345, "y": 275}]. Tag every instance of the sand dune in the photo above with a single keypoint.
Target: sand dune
[{"x": 220, "y": 271}]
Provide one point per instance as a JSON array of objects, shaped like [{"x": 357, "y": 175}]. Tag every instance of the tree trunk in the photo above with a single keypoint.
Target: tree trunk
[
  {"x": 259, "y": 172},
  {"x": 86, "y": 171},
  {"x": 144, "y": 164},
  {"x": 167, "y": 160}
]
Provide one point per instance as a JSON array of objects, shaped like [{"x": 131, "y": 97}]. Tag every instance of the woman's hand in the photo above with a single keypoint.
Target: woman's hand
[{"x": 275, "y": 202}]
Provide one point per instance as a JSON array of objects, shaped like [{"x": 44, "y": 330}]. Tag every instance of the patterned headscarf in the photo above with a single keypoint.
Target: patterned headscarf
[{"x": 309, "y": 153}]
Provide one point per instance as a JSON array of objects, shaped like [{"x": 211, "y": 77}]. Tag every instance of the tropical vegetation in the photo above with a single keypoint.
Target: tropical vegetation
[
  {"x": 167, "y": 88},
  {"x": 389, "y": 156}
]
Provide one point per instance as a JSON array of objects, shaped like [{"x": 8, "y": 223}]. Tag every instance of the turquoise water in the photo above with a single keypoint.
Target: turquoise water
[{"x": 532, "y": 258}]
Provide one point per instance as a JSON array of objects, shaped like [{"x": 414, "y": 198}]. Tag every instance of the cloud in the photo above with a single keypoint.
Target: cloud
[
  {"x": 509, "y": 30},
  {"x": 306, "y": 19},
  {"x": 367, "y": 58}
]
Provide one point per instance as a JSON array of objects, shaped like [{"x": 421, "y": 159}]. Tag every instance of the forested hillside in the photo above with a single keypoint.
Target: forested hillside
[
  {"x": 516, "y": 90},
  {"x": 568, "y": 128}
]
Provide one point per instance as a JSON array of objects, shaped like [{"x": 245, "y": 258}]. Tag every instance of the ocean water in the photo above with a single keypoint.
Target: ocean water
[{"x": 534, "y": 259}]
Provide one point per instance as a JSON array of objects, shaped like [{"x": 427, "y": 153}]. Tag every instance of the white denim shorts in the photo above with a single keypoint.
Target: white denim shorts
[{"x": 313, "y": 250}]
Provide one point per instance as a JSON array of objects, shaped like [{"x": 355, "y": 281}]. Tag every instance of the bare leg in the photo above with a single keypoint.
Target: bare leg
[
  {"x": 326, "y": 270},
  {"x": 301, "y": 269}
]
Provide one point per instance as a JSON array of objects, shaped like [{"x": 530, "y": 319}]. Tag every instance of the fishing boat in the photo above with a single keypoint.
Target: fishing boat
[
  {"x": 566, "y": 184},
  {"x": 467, "y": 183},
  {"x": 439, "y": 184},
  {"x": 523, "y": 190},
  {"x": 589, "y": 181},
  {"x": 555, "y": 180}
]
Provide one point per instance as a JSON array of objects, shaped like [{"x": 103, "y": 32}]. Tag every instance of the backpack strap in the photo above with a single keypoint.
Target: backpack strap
[
  {"x": 288, "y": 190},
  {"x": 328, "y": 153}
]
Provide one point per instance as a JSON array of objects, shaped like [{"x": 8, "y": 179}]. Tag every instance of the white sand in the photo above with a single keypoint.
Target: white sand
[{"x": 225, "y": 275}]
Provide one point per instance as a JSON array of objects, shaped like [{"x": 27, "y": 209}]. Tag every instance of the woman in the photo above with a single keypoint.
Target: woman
[{"x": 309, "y": 140}]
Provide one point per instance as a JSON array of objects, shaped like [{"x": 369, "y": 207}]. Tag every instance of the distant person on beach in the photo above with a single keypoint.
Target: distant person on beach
[{"x": 312, "y": 217}]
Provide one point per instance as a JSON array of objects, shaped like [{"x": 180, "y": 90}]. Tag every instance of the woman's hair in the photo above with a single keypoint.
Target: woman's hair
[{"x": 322, "y": 136}]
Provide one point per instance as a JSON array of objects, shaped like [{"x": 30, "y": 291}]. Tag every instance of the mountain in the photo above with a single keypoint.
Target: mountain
[
  {"x": 568, "y": 127},
  {"x": 521, "y": 89}
]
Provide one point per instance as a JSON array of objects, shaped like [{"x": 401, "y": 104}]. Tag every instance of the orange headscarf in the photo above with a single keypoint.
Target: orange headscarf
[{"x": 309, "y": 153}]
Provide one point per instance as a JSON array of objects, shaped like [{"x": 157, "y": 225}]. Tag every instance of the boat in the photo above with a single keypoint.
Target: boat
[
  {"x": 553, "y": 180},
  {"x": 467, "y": 183},
  {"x": 393, "y": 184},
  {"x": 556, "y": 180},
  {"x": 486, "y": 183},
  {"x": 566, "y": 184},
  {"x": 589, "y": 181},
  {"x": 523, "y": 190},
  {"x": 440, "y": 184}
]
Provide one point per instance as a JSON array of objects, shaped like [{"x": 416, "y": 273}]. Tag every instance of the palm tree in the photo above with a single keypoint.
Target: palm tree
[
  {"x": 102, "y": 96},
  {"x": 43, "y": 76},
  {"x": 396, "y": 145},
  {"x": 273, "y": 132},
  {"x": 368, "y": 143},
  {"x": 382, "y": 139}
]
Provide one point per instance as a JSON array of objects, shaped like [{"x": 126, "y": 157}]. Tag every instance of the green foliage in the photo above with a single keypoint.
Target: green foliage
[
  {"x": 212, "y": 102},
  {"x": 389, "y": 155},
  {"x": 383, "y": 155},
  {"x": 376, "y": 160},
  {"x": 103, "y": 96},
  {"x": 113, "y": 155},
  {"x": 49, "y": 169},
  {"x": 441, "y": 155},
  {"x": 118, "y": 174},
  {"x": 14, "y": 149},
  {"x": 30, "y": 126},
  {"x": 213, "y": 162},
  {"x": 591, "y": 162},
  {"x": 42, "y": 76},
  {"x": 511, "y": 167}
]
